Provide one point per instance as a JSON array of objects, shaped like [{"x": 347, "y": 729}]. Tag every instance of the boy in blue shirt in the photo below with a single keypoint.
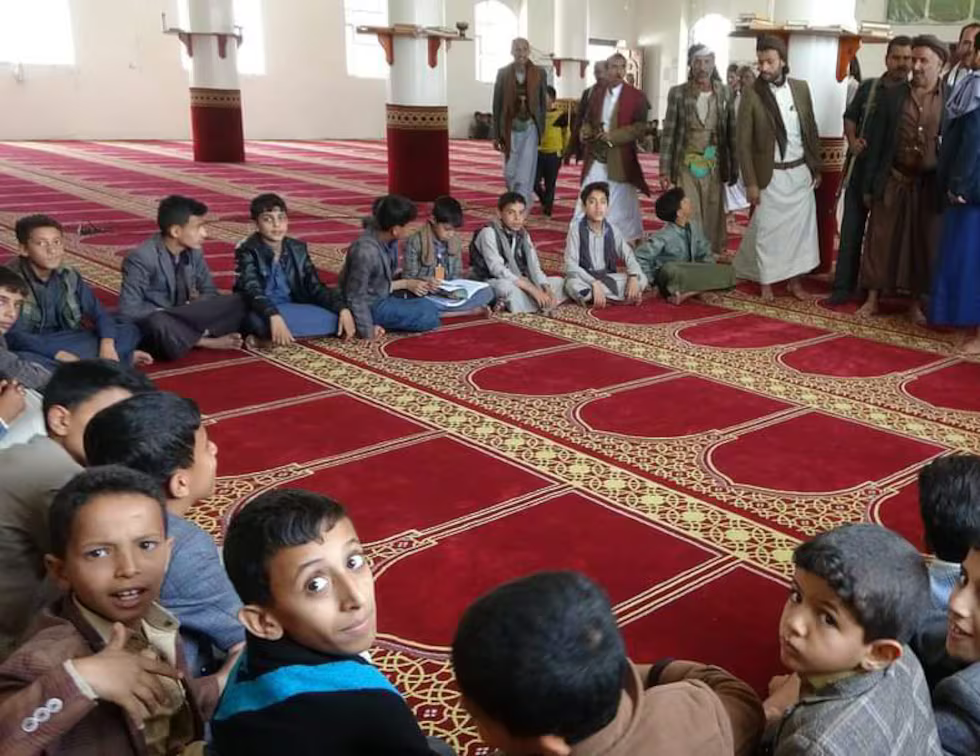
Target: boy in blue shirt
[{"x": 303, "y": 686}]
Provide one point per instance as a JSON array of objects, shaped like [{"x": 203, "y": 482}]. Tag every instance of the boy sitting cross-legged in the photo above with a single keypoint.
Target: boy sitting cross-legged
[
  {"x": 678, "y": 257},
  {"x": 103, "y": 671},
  {"x": 61, "y": 320},
  {"x": 543, "y": 671},
  {"x": 303, "y": 686},
  {"x": 161, "y": 435},
  {"x": 593, "y": 250},
  {"x": 503, "y": 255},
  {"x": 284, "y": 293},
  {"x": 856, "y": 688}
]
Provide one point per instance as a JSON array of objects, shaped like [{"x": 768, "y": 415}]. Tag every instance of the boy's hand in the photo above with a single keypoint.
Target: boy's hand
[
  {"x": 418, "y": 286},
  {"x": 221, "y": 676},
  {"x": 345, "y": 325},
  {"x": 281, "y": 334},
  {"x": 633, "y": 294},
  {"x": 598, "y": 295},
  {"x": 107, "y": 350},
  {"x": 63, "y": 356},
  {"x": 12, "y": 401},
  {"x": 752, "y": 194},
  {"x": 784, "y": 691},
  {"x": 126, "y": 679}
]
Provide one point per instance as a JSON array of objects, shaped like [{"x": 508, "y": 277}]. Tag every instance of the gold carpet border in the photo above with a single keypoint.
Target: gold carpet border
[{"x": 721, "y": 530}]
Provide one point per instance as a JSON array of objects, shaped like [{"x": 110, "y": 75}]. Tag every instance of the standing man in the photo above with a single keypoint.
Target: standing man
[
  {"x": 697, "y": 150},
  {"x": 575, "y": 147},
  {"x": 519, "y": 98},
  {"x": 616, "y": 117},
  {"x": 964, "y": 56},
  {"x": 779, "y": 155},
  {"x": 900, "y": 183},
  {"x": 857, "y": 120}
]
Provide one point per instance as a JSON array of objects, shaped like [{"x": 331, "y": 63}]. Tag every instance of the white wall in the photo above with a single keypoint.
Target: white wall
[{"x": 128, "y": 82}]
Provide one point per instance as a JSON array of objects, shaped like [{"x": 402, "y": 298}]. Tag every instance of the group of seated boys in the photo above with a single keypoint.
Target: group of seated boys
[
  {"x": 169, "y": 304},
  {"x": 123, "y": 631}
]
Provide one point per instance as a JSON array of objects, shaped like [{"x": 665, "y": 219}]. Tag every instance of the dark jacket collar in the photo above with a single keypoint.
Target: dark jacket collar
[{"x": 266, "y": 656}]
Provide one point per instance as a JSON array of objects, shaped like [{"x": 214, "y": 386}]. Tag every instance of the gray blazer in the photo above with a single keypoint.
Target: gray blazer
[
  {"x": 957, "y": 704},
  {"x": 883, "y": 712},
  {"x": 365, "y": 279},
  {"x": 149, "y": 283}
]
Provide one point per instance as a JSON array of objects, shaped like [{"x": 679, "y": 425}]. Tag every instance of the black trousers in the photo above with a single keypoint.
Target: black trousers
[
  {"x": 852, "y": 227},
  {"x": 171, "y": 333},
  {"x": 544, "y": 183}
]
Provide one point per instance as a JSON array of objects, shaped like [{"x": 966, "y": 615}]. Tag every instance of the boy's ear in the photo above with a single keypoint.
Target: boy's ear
[
  {"x": 881, "y": 653},
  {"x": 59, "y": 420},
  {"x": 260, "y": 622},
  {"x": 56, "y": 571},
  {"x": 179, "y": 485}
]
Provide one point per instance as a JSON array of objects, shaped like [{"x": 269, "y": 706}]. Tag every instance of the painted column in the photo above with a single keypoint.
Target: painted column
[
  {"x": 216, "y": 98},
  {"x": 814, "y": 59},
  {"x": 417, "y": 111},
  {"x": 571, "y": 48}
]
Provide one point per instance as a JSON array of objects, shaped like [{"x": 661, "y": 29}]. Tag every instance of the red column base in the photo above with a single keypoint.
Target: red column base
[
  {"x": 832, "y": 153},
  {"x": 216, "y": 125},
  {"x": 418, "y": 151}
]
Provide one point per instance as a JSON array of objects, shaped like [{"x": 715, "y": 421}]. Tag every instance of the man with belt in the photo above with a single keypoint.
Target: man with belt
[
  {"x": 519, "y": 101},
  {"x": 900, "y": 183},
  {"x": 779, "y": 155},
  {"x": 857, "y": 123},
  {"x": 697, "y": 151}
]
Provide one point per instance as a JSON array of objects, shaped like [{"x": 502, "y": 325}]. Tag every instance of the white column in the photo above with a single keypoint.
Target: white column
[
  {"x": 208, "y": 69},
  {"x": 814, "y": 59},
  {"x": 411, "y": 80},
  {"x": 571, "y": 42}
]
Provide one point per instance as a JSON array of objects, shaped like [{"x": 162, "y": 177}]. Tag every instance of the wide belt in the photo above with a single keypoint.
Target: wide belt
[{"x": 790, "y": 165}]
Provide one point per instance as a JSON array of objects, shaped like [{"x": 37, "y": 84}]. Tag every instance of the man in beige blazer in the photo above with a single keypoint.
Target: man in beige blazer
[{"x": 778, "y": 153}]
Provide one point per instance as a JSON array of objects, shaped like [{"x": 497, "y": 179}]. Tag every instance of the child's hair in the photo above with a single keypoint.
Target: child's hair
[
  {"x": 273, "y": 521},
  {"x": 89, "y": 484},
  {"x": 177, "y": 211},
  {"x": 949, "y": 501},
  {"x": 152, "y": 433},
  {"x": 266, "y": 203},
  {"x": 595, "y": 186},
  {"x": 393, "y": 210},
  {"x": 542, "y": 656},
  {"x": 668, "y": 204},
  {"x": 446, "y": 209},
  {"x": 876, "y": 573},
  {"x": 11, "y": 280},
  {"x": 25, "y": 226},
  {"x": 510, "y": 198},
  {"x": 73, "y": 383},
  {"x": 552, "y": 92}
]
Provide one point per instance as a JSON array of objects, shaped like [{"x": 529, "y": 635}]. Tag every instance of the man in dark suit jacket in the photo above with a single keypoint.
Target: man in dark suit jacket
[
  {"x": 776, "y": 113},
  {"x": 575, "y": 147},
  {"x": 520, "y": 98},
  {"x": 168, "y": 290}
]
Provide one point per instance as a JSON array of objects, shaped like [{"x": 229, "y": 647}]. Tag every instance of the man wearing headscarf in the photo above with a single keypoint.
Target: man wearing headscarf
[
  {"x": 697, "y": 150},
  {"x": 900, "y": 183},
  {"x": 615, "y": 119},
  {"x": 778, "y": 150},
  {"x": 519, "y": 102}
]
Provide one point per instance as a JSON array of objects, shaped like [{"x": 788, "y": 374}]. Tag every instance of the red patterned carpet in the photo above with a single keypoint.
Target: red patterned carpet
[{"x": 676, "y": 454}]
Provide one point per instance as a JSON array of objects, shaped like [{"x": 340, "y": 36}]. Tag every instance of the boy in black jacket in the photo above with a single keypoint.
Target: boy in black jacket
[
  {"x": 284, "y": 294},
  {"x": 302, "y": 686}
]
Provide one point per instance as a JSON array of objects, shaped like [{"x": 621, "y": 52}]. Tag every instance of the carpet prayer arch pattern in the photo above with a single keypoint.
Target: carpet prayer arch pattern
[{"x": 675, "y": 454}]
